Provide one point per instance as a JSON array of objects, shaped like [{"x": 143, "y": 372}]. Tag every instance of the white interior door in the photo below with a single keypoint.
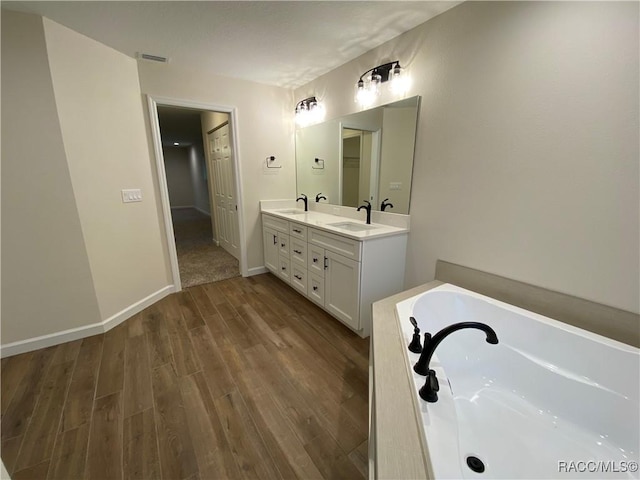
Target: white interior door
[{"x": 226, "y": 207}]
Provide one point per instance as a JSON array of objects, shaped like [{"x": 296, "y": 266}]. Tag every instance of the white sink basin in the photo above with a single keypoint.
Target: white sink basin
[
  {"x": 354, "y": 227},
  {"x": 291, "y": 211}
]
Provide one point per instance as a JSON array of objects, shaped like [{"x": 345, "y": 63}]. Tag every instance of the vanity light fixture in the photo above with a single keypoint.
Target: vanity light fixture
[
  {"x": 309, "y": 111},
  {"x": 369, "y": 84}
]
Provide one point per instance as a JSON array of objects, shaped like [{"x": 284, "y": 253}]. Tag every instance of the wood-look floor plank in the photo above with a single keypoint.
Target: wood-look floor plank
[
  {"x": 250, "y": 453},
  {"x": 79, "y": 404},
  {"x": 140, "y": 449},
  {"x": 104, "y": 456},
  {"x": 18, "y": 414},
  {"x": 177, "y": 457},
  {"x": 66, "y": 352},
  {"x": 331, "y": 460},
  {"x": 158, "y": 341},
  {"x": 10, "y": 449},
  {"x": 360, "y": 458},
  {"x": 257, "y": 324},
  {"x": 189, "y": 310},
  {"x": 289, "y": 399},
  {"x": 216, "y": 373},
  {"x": 40, "y": 436},
  {"x": 186, "y": 360},
  {"x": 36, "y": 472},
  {"x": 282, "y": 443},
  {"x": 211, "y": 447},
  {"x": 111, "y": 375},
  {"x": 13, "y": 370},
  {"x": 137, "y": 376},
  {"x": 69, "y": 457},
  {"x": 202, "y": 300}
]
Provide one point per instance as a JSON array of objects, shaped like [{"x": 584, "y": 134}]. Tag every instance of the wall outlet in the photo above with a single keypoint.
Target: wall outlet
[{"x": 131, "y": 195}]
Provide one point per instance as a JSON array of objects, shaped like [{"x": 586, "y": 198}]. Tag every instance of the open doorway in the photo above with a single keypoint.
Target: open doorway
[{"x": 197, "y": 184}]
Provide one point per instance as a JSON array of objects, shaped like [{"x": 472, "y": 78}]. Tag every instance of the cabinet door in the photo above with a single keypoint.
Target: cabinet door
[
  {"x": 342, "y": 288},
  {"x": 271, "y": 249},
  {"x": 283, "y": 244},
  {"x": 284, "y": 270},
  {"x": 315, "y": 288},
  {"x": 315, "y": 261}
]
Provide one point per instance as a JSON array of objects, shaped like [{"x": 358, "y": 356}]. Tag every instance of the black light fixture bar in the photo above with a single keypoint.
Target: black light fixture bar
[
  {"x": 383, "y": 70},
  {"x": 306, "y": 104}
]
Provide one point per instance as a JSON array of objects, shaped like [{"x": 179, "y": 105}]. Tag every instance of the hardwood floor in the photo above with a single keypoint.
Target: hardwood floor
[{"x": 242, "y": 378}]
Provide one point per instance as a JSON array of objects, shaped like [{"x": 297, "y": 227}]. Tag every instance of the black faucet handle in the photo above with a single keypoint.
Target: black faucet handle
[
  {"x": 415, "y": 346},
  {"x": 429, "y": 392}
]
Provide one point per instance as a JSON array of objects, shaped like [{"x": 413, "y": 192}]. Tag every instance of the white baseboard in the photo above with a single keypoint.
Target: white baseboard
[
  {"x": 256, "y": 271},
  {"x": 202, "y": 211},
  {"x": 43, "y": 341},
  {"x": 131, "y": 310}
]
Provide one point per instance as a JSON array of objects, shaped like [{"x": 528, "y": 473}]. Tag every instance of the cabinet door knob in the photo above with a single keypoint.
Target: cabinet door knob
[
  {"x": 326, "y": 263},
  {"x": 275, "y": 239},
  {"x": 298, "y": 277},
  {"x": 315, "y": 259}
]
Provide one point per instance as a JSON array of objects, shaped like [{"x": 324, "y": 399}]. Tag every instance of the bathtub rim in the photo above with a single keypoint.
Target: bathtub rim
[{"x": 397, "y": 448}]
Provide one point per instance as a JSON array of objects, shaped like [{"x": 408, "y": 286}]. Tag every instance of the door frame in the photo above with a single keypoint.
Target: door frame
[{"x": 152, "y": 103}]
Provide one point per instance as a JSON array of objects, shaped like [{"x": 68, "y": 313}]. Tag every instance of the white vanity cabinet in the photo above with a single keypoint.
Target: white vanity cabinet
[{"x": 342, "y": 275}]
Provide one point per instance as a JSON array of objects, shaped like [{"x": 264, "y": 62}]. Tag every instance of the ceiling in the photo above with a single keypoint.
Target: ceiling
[
  {"x": 278, "y": 43},
  {"x": 181, "y": 125}
]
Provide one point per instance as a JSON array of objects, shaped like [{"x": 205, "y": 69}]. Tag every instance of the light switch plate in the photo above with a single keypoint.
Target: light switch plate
[
  {"x": 131, "y": 195},
  {"x": 395, "y": 185}
]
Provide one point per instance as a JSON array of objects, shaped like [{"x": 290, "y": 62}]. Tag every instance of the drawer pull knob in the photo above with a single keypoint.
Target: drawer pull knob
[
  {"x": 282, "y": 245},
  {"x": 298, "y": 252},
  {"x": 298, "y": 277},
  {"x": 284, "y": 268},
  {"x": 315, "y": 259},
  {"x": 315, "y": 288},
  {"x": 297, "y": 231}
]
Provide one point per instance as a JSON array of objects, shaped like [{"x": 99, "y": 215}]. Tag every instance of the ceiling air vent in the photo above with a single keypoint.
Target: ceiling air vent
[{"x": 151, "y": 58}]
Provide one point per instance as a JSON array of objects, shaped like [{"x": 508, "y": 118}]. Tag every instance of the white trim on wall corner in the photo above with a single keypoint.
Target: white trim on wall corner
[
  {"x": 64, "y": 336},
  {"x": 256, "y": 271}
]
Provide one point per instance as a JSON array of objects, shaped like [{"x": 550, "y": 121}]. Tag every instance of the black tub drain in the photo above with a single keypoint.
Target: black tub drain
[{"x": 475, "y": 464}]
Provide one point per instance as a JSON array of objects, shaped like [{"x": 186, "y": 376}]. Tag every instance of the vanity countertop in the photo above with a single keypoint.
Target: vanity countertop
[{"x": 324, "y": 221}]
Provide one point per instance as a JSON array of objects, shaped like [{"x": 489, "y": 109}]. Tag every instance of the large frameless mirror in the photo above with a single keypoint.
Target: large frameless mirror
[{"x": 363, "y": 156}]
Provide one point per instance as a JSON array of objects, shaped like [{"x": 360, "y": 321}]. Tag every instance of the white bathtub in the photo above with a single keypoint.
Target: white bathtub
[{"x": 548, "y": 401}]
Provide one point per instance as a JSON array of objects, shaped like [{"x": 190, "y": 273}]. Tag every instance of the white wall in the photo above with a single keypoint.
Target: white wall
[
  {"x": 265, "y": 127},
  {"x": 177, "y": 165},
  {"x": 98, "y": 99},
  {"x": 46, "y": 280},
  {"x": 526, "y": 161},
  {"x": 199, "y": 178}
]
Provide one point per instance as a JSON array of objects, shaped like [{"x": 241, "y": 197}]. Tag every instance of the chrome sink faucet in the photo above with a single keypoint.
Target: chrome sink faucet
[
  {"x": 368, "y": 208},
  {"x": 303, "y": 197},
  {"x": 429, "y": 391}
]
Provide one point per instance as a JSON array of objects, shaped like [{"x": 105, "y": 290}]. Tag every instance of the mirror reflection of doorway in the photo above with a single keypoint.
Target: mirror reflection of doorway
[{"x": 359, "y": 167}]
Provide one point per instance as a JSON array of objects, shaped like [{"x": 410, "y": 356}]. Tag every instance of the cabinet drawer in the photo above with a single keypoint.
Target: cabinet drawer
[
  {"x": 299, "y": 278},
  {"x": 346, "y": 247},
  {"x": 297, "y": 230},
  {"x": 283, "y": 244},
  {"x": 298, "y": 251},
  {"x": 276, "y": 223},
  {"x": 315, "y": 260},
  {"x": 284, "y": 269},
  {"x": 315, "y": 288}
]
